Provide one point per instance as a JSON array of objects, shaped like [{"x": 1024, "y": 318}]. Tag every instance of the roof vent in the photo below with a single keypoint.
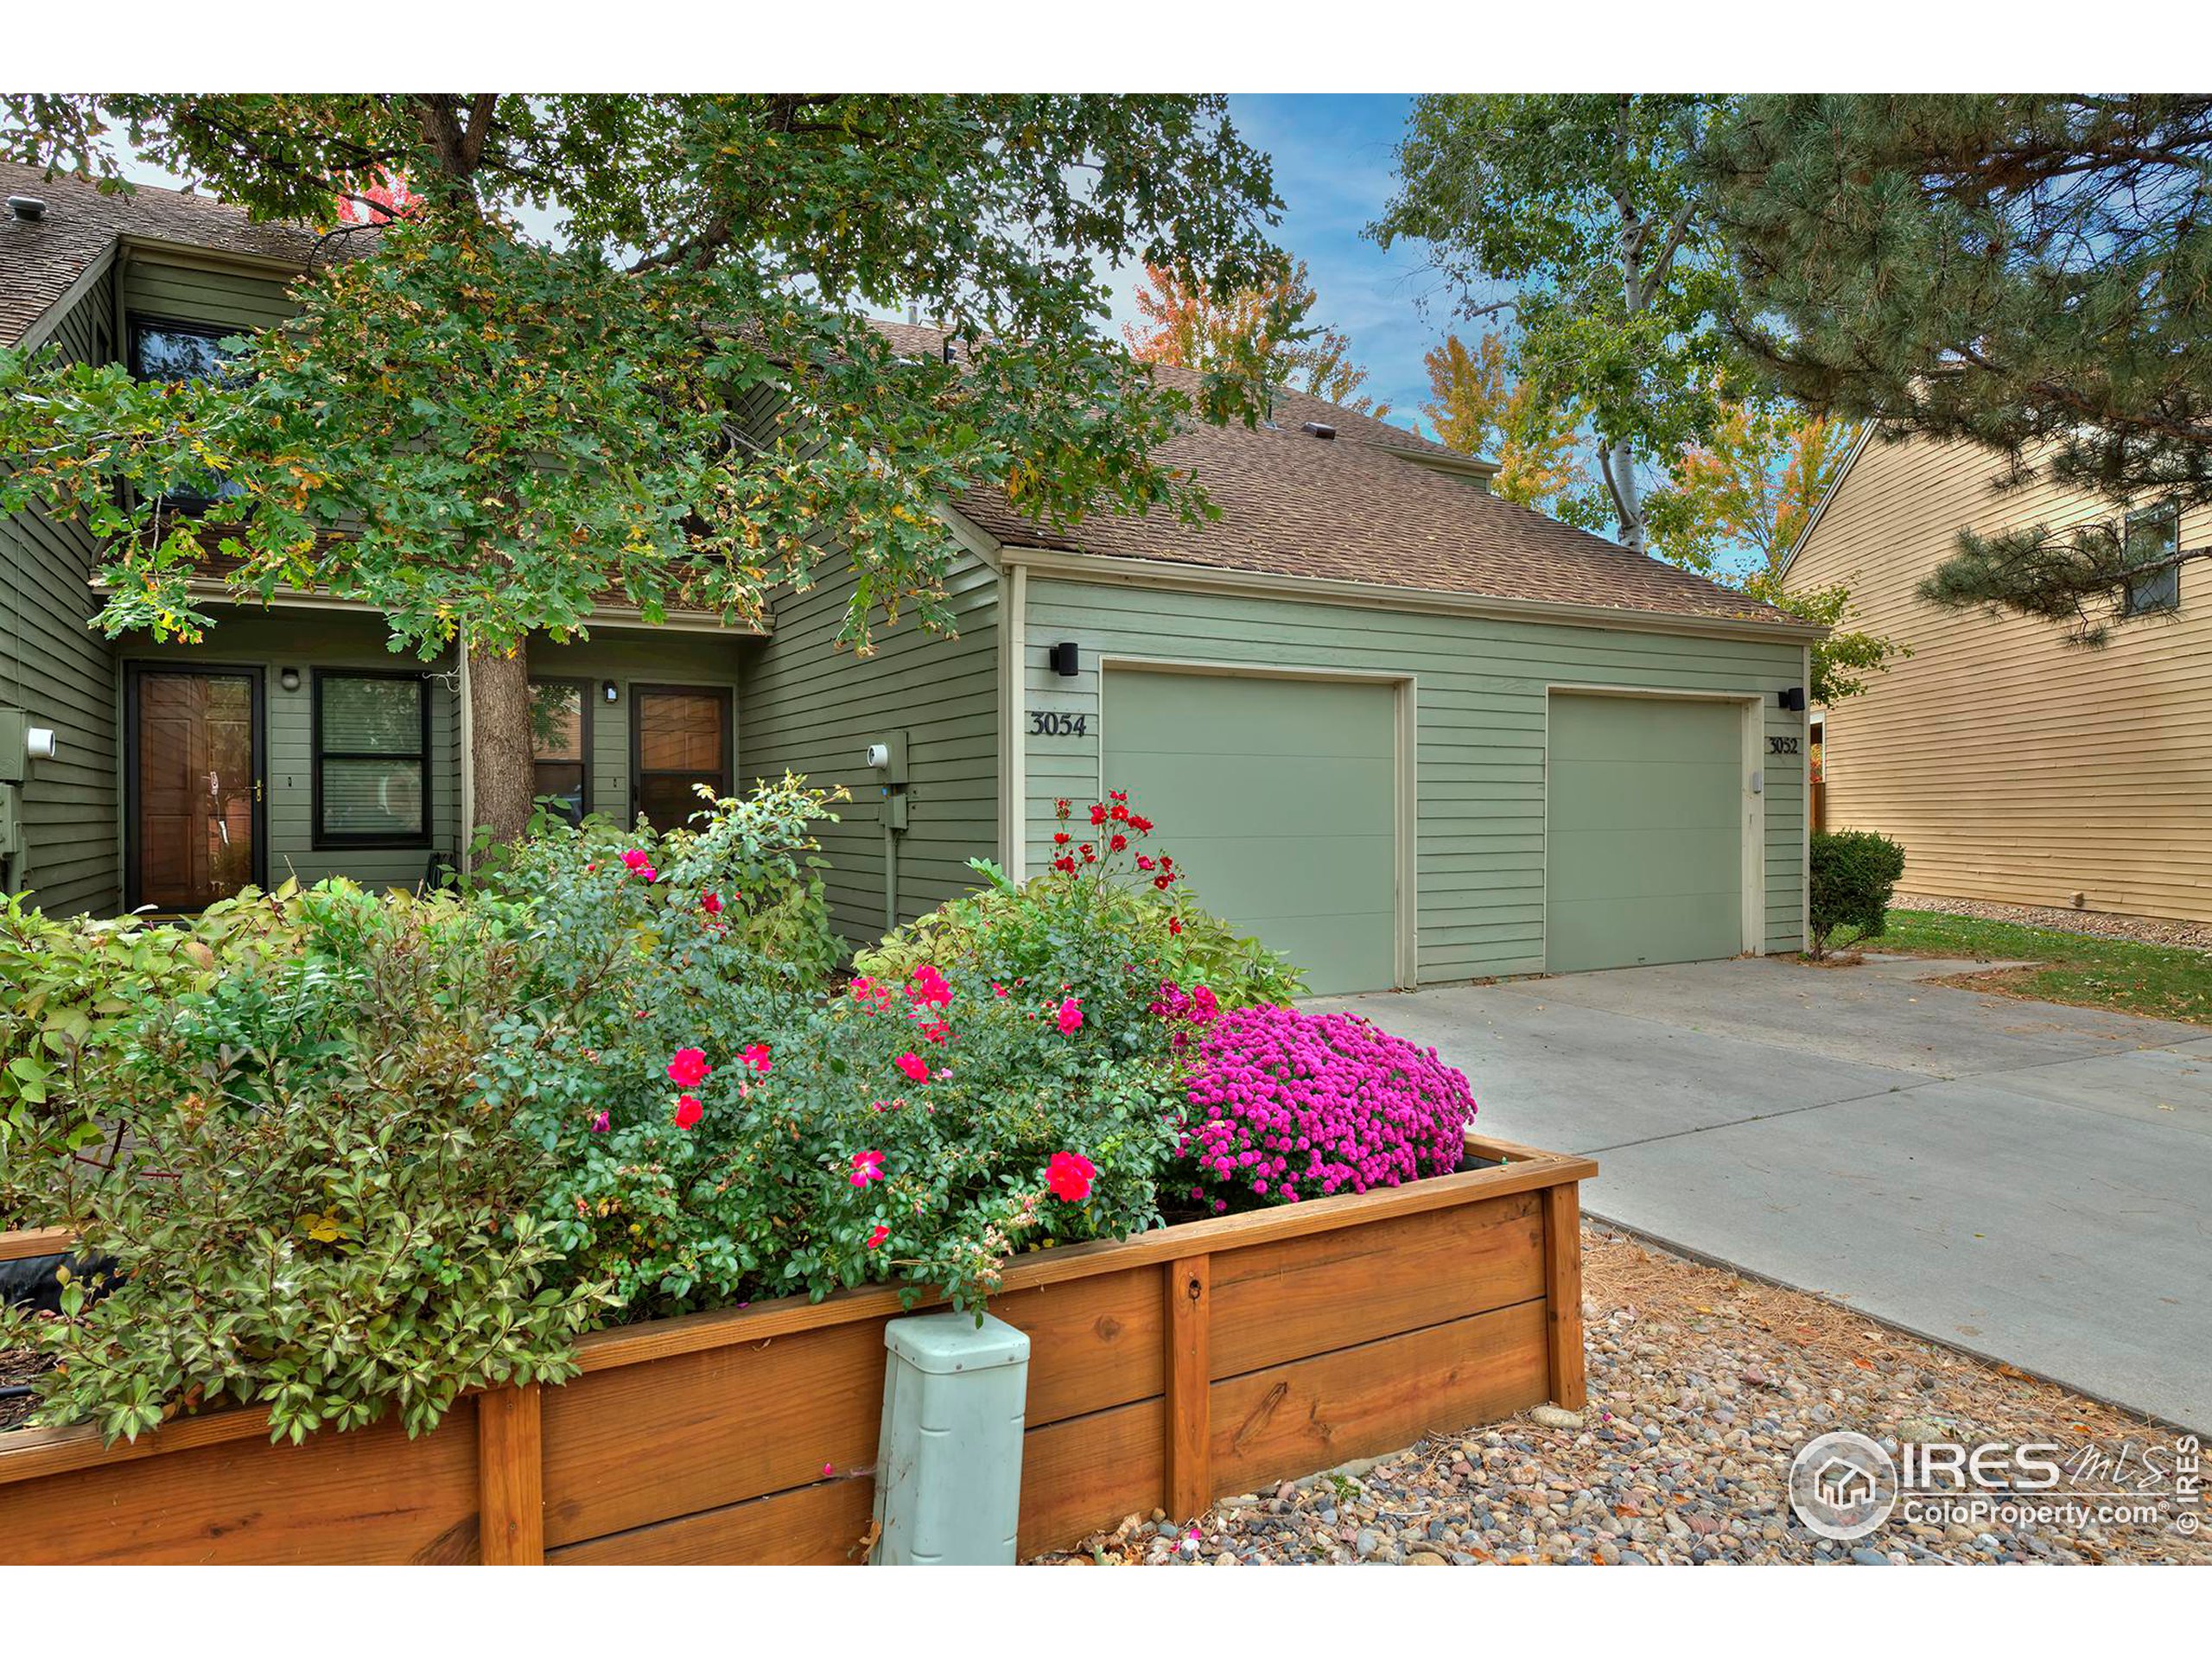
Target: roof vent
[
  {"x": 1320, "y": 430},
  {"x": 26, "y": 207}
]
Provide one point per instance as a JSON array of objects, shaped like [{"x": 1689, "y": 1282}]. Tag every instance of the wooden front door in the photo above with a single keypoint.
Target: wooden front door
[
  {"x": 679, "y": 737},
  {"x": 193, "y": 740}
]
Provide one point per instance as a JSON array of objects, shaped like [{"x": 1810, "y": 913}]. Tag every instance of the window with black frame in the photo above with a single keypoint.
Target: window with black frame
[
  {"x": 161, "y": 350},
  {"x": 560, "y": 746},
  {"x": 2152, "y": 539},
  {"x": 371, "y": 758}
]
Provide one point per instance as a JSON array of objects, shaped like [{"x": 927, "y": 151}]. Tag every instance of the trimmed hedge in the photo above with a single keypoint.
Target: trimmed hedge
[{"x": 1854, "y": 873}]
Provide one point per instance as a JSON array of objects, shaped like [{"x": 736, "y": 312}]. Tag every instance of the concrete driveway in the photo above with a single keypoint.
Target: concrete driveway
[{"x": 2025, "y": 1181}]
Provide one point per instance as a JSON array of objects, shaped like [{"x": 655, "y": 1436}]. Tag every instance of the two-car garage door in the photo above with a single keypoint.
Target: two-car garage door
[
  {"x": 1644, "y": 834},
  {"x": 1280, "y": 797}
]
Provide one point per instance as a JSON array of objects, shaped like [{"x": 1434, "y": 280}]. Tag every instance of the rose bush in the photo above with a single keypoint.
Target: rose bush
[{"x": 1111, "y": 918}]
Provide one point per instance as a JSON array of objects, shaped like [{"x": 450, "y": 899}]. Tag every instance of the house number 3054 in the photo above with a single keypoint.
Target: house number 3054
[
  {"x": 1054, "y": 724},
  {"x": 1781, "y": 745}
]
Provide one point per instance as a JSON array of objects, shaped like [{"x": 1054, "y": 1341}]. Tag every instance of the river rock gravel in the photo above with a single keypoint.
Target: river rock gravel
[{"x": 1702, "y": 1386}]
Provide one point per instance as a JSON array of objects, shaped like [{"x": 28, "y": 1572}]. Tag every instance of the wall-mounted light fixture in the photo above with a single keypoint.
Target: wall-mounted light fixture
[
  {"x": 1063, "y": 659},
  {"x": 613, "y": 692},
  {"x": 289, "y": 678},
  {"x": 1793, "y": 699}
]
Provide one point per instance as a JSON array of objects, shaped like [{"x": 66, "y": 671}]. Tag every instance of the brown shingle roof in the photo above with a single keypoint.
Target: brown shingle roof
[
  {"x": 1352, "y": 509},
  {"x": 40, "y": 258}
]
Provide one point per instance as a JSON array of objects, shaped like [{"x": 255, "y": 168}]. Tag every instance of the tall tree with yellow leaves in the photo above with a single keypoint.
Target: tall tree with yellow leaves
[
  {"x": 1261, "y": 334},
  {"x": 1480, "y": 408}
]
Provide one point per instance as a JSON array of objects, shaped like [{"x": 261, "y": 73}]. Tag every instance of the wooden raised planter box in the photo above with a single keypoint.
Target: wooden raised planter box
[{"x": 1167, "y": 1370}]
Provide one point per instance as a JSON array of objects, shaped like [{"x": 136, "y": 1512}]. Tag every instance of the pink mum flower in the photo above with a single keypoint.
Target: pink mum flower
[
  {"x": 914, "y": 1066},
  {"x": 867, "y": 1167},
  {"x": 1070, "y": 1018},
  {"x": 689, "y": 1069}
]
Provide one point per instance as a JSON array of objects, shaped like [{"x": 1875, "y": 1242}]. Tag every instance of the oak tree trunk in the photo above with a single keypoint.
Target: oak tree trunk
[{"x": 499, "y": 756}]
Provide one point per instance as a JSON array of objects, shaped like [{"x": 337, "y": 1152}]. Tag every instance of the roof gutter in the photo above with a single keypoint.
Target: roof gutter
[
  {"x": 603, "y": 616},
  {"x": 1323, "y": 590}
]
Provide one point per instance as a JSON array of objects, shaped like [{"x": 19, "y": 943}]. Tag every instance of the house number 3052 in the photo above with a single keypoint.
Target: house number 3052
[
  {"x": 1054, "y": 724},
  {"x": 1781, "y": 745}
]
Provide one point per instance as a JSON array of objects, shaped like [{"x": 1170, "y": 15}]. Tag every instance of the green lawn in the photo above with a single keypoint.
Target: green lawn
[{"x": 2156, "y": 980}]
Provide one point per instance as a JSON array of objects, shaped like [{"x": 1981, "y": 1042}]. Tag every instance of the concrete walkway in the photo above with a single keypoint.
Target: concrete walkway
[{"x": 2025, "y": 1181}]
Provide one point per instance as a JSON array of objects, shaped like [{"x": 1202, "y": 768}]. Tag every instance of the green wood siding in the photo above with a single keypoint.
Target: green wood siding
[
  {"x": 1645, "y": 859},
  {"x": 812, "y": 709},
  {"x": 190, "y": 293},
  {"x": 1284, "y": 799},
  {"x": 1481, "y": 687},
  {"x": 54, "y": 666}
]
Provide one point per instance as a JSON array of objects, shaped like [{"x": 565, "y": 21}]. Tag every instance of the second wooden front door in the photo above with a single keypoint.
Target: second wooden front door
[{"x": 679, "y": 738}]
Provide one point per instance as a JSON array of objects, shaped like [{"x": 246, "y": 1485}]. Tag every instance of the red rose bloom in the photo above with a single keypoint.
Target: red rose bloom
[
  {"x": 689, "y": 1069},
  {"x": 1069, "y": 1176},
  {"x": 687, "y": 1110}
]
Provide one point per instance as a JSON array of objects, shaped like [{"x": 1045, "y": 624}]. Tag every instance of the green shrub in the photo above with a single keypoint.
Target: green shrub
[
  {"x": 1854, "y": 872},
  {"x": 756, "y": 854},
  {"x": 68, "y": 986},
  {"x": 329, "y": 1214}
]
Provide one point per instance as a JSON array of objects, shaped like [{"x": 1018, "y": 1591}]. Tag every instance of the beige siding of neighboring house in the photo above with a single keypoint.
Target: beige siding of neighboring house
[{"x": 2012, "y": 765}]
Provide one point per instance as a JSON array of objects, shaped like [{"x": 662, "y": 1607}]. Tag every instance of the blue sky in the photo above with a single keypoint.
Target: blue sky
[{"x": 1334, "y": 158}]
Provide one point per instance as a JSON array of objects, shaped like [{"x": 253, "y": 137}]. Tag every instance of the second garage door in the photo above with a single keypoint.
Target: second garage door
[
  {"x": 1643, "y": 850},
  {"x": 1279, "y": 798}
]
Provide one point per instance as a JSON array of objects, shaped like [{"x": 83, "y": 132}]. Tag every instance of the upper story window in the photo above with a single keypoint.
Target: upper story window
[
  {"x": 2153, "y": 536},
  {"x": 182, "y": 351}
]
